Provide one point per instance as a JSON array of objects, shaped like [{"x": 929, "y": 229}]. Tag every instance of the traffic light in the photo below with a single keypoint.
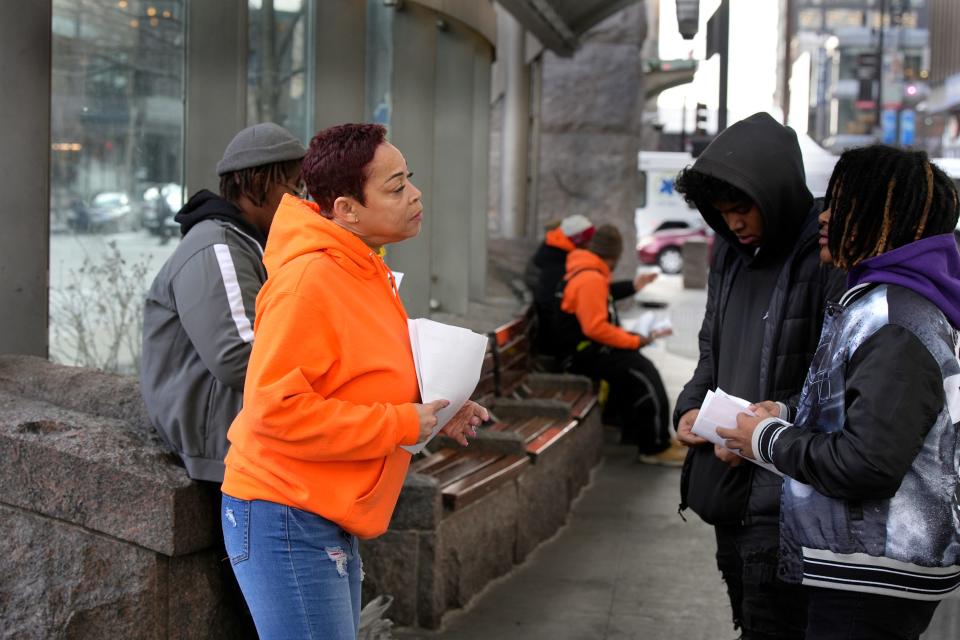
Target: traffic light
[{"x": 701, "y": 118}]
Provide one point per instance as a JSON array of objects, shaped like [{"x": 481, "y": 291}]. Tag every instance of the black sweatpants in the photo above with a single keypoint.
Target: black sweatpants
[
  {"x": 637, "y": 394},
  {"x": 764, "y": 607}
]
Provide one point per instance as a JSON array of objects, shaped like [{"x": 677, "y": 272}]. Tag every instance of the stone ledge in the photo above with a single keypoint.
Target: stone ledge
[
  {"x": 505, "y": 442},
  {"x": 100, "y": 474},
  {"x": 558, "y": 381},
  {"x": 510, "y": 408},
  {"x": 85, "y": 390}
]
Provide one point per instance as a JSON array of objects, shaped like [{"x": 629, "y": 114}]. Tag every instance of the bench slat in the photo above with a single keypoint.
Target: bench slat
[
  {"x": 462, "y": 465},
  {"x": 549, "y": 437},
  {"x": 469, "y": 489}
]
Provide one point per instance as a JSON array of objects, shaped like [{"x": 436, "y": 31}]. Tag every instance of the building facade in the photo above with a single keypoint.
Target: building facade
[
  {"x": 123, "y": 108},
  {"x": 856, "y": 71},
  {"x": 942, "y": 130}
]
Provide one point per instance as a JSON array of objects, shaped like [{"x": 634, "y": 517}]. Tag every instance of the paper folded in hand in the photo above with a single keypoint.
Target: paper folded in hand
[
  {"x": 646, "y": 323},
  {"x": 720, "y": 409},
  {"x": 448, "y": 360}
]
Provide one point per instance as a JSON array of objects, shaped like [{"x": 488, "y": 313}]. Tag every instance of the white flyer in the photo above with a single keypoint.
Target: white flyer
[
  {"x": 448, "y": 360},
  {"x": 720, "y": 409},
  {"x": 646, "y": 323}
]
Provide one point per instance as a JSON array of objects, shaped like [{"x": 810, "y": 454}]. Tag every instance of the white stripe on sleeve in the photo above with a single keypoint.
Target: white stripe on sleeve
[{"x": 234, "y": 297}]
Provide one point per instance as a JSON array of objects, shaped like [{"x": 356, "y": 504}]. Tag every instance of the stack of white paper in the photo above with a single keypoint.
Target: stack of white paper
[
  {"x": 448, "y": 360},
  {"x": 646, "y": 323},
  {"x": 720, "y": 409}
]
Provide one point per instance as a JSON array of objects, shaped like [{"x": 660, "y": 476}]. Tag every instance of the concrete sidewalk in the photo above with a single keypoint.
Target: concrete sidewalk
[{"x": 625, "y": 565}]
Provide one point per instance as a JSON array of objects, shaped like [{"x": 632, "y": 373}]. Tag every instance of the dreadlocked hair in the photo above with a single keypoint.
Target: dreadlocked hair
[
  {"x": 702, "y": 190},
  {"x": 255, "y": 182},
  {"x": 881, "y": 198}
]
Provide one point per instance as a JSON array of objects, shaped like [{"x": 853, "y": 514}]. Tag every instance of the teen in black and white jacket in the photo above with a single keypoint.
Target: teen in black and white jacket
[{"x": 870, "y": 515}]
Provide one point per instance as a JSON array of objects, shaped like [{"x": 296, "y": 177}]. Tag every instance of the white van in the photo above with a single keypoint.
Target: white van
[{"x": 660, "y": 206}]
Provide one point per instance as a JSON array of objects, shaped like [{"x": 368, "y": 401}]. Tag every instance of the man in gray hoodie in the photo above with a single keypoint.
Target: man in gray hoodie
[{"x": 198, "y": 318}]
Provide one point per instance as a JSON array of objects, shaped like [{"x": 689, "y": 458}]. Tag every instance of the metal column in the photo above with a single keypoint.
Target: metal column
[
  {"x": 25, "y": 41},
  {"x": 516, "y": 120}
]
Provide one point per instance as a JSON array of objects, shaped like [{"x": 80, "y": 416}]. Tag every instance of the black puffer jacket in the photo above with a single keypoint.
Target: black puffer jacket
[{"x": 762, "y": 158}]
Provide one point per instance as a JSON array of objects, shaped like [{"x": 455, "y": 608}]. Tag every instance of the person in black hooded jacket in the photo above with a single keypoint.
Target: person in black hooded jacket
[{"x": 766, "y": 296}]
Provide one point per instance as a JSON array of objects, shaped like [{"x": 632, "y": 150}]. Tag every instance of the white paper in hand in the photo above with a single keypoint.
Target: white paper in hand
[
  {"x": 720, "y": 409},
  {"x": 448, "y": 361},
  {"x": 646, "y": 323}
]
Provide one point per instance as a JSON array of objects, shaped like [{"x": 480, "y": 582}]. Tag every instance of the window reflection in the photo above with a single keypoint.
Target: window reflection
[
  {"x": 279, "y": 68},
  {"x": 116, "y": 166}
]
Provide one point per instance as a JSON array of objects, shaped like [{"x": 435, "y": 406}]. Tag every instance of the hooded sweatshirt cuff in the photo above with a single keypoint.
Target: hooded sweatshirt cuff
[{"x": 408, "y": 425}]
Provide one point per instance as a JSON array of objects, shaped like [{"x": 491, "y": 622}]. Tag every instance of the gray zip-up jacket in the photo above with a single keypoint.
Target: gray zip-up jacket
[{"x": 197, "y": 335}]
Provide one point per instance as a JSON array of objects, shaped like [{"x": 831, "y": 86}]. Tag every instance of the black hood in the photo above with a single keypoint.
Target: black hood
[
  {"x": 762, "y": 158},
  {"x": 206, "y": 205}
]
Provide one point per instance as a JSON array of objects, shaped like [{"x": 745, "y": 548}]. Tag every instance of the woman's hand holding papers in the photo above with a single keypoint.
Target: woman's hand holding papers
[
  {"x": 740, "y": 438},
  {"x": 465, "y": 422},
  {"x": 428, "y": 416}
]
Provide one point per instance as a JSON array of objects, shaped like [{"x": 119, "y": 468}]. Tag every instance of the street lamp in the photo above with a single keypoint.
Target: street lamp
[{"x": 688, "y": 18}]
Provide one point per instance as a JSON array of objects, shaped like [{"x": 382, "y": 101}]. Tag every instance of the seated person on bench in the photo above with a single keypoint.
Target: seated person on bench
[
  {"x": 545, "y": 271},
  {"x": 590, "y": 336}
]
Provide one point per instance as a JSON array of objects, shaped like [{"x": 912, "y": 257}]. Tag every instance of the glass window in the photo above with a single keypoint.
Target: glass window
[
  {"x": 810, "y": 20},
  {"x": 117, "y": 109},
  {"x": 838, "y": 18},
  {"x": 379, "y": 62},
  {"x": 641, "y": 189},
  {"x": 280, "y": 67}
]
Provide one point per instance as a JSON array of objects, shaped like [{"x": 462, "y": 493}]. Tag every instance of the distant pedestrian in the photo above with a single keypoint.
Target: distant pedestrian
[
  {"x": 315, "y": 461},
  {"x": 545, "y": 271},
  {"x": 871, "y": 508},
  {"x": 599, "y": 348},
  {"x": 766, "y": 294}
]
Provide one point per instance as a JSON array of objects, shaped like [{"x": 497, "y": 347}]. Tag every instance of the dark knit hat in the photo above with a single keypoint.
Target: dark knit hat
[
  {"x": 260, "y": 144},
  {"x": 607, "y": 242}
]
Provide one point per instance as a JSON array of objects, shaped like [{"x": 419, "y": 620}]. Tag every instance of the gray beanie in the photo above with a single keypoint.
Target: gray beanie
[{"x": 261, "y": 144}]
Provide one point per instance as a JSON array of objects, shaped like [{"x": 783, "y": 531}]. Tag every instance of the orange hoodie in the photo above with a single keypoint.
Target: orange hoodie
[
  {"x": 331, "y": 381},
  {"x": 587, "y": 296},
  {"x": 557, "y": 238}
]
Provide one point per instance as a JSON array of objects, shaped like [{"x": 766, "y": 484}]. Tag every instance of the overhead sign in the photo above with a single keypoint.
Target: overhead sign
[
  {"x": 908, "y": 127},
  {"x": 888, "y": 126}
]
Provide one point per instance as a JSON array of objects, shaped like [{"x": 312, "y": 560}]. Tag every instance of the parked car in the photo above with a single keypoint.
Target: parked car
[
  {"x": 664, "y": 247},
  {"x": 108, "y": 212}
]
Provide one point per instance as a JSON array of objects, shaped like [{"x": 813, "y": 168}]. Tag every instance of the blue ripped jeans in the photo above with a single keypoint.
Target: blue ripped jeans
[{"x": 300, "y": 573}]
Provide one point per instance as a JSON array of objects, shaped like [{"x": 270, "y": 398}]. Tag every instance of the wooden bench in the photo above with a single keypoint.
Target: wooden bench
[
  {"x": 466, "y": 475},
  {"x": 515, "y": 378},
  {"x": 536, "y": 409}
]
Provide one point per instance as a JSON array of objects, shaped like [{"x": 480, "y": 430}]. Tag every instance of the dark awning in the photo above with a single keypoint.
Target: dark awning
[{"x": 558, "y": 24}]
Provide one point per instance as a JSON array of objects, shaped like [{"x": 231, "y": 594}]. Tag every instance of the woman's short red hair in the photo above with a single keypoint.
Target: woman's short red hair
[{"x": 336, "y": 161}]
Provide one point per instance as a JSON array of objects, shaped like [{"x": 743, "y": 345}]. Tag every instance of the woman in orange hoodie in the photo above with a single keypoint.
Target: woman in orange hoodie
[{"x": 331, "y": 392}]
